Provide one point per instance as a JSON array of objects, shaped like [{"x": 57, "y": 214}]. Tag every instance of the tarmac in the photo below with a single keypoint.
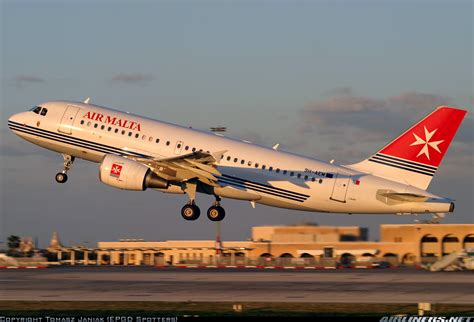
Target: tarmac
[{"x": 233, "y": 285}]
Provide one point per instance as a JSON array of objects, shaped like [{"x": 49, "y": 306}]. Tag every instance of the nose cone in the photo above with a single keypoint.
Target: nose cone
[
  {"x": 16, "y": 122},
  {"x": 13, "y": 119}
]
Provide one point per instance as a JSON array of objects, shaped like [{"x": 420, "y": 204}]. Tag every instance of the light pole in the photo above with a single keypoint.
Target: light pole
[{"x": 218, "y": 129}]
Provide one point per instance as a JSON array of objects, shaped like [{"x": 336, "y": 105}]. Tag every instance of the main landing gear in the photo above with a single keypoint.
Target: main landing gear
[
  {"x": 192, "y": 212},
  {"x": 61, "y": 177},
  {"x": 216, "y": 212}
]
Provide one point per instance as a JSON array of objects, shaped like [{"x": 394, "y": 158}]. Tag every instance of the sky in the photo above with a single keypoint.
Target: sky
[{"x": 326, "y": 79}]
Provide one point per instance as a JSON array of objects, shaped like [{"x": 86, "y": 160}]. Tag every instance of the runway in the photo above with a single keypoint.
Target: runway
[{"x": 233, "y": 285}]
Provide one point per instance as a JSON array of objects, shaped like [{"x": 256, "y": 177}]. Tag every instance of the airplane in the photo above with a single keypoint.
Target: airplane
[{"x": 136, "y": 153}]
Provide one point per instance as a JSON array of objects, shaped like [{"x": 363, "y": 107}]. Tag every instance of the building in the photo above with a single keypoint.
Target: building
[{"x": 287, "y": 245}]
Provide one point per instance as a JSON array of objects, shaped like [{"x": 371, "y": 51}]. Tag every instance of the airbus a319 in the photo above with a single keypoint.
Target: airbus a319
[{"x": 136, "y": 153}]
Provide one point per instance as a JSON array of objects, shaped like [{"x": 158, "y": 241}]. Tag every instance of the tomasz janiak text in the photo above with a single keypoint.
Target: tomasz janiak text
[
  {"x": 112, "y": 120},
  {"x": 50, "y": 319},
  {"x": 427, "y": 319}
]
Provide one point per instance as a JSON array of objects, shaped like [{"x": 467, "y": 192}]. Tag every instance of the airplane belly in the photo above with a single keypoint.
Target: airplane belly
[
  {"x": 270, "y": 191},
  {"x": 65, "y": 148}
]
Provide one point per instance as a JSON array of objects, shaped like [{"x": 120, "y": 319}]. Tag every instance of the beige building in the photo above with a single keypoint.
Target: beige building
[{"x": 289, "y": 245}]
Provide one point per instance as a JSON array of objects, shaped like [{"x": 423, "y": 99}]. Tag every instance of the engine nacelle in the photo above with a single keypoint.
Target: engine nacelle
[{"x": 126, "y": 174}]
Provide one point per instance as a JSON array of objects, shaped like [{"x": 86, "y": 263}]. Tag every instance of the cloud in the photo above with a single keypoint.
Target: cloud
[
  {"x": 23, "y": 80},
  {"x": 346, "y": 110},
  {"x": 364, "y": 124},
  {"x": 132, "y": 79},
  {"x": 338, "y": 91}
]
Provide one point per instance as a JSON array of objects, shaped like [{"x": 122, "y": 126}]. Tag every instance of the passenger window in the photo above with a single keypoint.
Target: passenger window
[
  {"x": 256, "y": 165},
  {"x": 129, "y": 133},
  {"x": 242, "y": 161},
  {"x": 179, "y": 146},
  {"x": 150, "y": 139},
  {"x": 157, "y": 141},
  {"x": 109, "y": 129},
  {"x": 284, "y": 171},
  {"x": 194, "y": 149},
  {"x": 299, "y": 175},
  {"x": 320, "y": 180},
  {"x": 88, "y": 123},
  {"x": 167, "y": 142},
  {"x": 313, "y": 179},
  {"x": 263, "y": 167},
  {"x": 186, "y": 147},
  {"x": 44, "y": 111},
  {"x": 96, "y": 125},
  {"x": 102, "y": 127},
  {"x": 249, "y": 163},
  {"x": 235, "y": 159},
  {"x": 82, "y": 122},
  {"x": 116, "y": 130},
  {"x": 228, "y": 158},
  {"x": 270, "y": 169},
  {"x": 306, "y": 177},
  {"x": 277, "y": 170},
  {"x": 143, "y": 137},
  {"x": 123, "y": 132},
  {"x": 292, "y": 173}
]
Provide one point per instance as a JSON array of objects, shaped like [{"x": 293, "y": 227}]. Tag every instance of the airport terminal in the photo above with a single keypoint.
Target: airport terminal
[{"x": 291, "y": 245}]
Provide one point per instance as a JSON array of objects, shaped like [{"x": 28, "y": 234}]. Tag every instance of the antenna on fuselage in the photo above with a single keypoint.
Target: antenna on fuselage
[
  {"x": 275, "y": 147},
  {"x": 87, "y": 100}
]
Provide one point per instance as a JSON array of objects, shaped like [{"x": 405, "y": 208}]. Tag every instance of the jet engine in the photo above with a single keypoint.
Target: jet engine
[{"x": 122, "y": 173}]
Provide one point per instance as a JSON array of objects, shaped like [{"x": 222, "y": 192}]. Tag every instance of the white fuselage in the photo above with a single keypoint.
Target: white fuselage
[{"x": 278, "y": 178}]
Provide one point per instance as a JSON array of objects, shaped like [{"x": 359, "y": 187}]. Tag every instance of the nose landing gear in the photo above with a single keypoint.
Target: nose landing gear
[{"x": 61, "y": 177}]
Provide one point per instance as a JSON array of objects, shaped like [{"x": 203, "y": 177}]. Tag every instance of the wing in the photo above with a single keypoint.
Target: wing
[{"x": 197, "y": 165}]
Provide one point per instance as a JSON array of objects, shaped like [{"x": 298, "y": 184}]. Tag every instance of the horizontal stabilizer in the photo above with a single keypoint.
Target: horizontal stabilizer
[{"x": 408, "y": 197}]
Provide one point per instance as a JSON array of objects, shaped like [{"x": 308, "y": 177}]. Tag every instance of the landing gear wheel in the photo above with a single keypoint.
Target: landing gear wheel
[
  {"x": 215, "y": 213},
  {"x": 190, "y": 212},
  {"x": 61, "y": 177}
]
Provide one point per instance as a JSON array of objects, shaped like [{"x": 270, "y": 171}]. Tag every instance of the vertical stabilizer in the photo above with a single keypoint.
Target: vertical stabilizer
[{"x": 414, "y": 156}]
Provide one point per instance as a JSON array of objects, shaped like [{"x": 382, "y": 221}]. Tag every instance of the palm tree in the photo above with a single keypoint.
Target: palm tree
[{"x": 13, "y": 242}]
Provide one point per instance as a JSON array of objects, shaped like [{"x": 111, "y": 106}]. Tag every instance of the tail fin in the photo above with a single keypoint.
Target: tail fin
[{"x": 414, "y": 156}]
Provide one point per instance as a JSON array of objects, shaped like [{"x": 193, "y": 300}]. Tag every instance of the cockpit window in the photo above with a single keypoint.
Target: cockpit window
[
  {"x": 44, "y": 111},
  {"x": 36, "y": 109}
]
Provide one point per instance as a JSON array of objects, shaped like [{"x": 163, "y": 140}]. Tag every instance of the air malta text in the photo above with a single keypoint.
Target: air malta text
[{"x": 134, "y": 126}]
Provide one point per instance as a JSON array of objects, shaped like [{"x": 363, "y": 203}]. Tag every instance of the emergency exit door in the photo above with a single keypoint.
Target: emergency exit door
[
  {"x": 68, "y": 119},
  {"x": 339, "y": 191}
]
